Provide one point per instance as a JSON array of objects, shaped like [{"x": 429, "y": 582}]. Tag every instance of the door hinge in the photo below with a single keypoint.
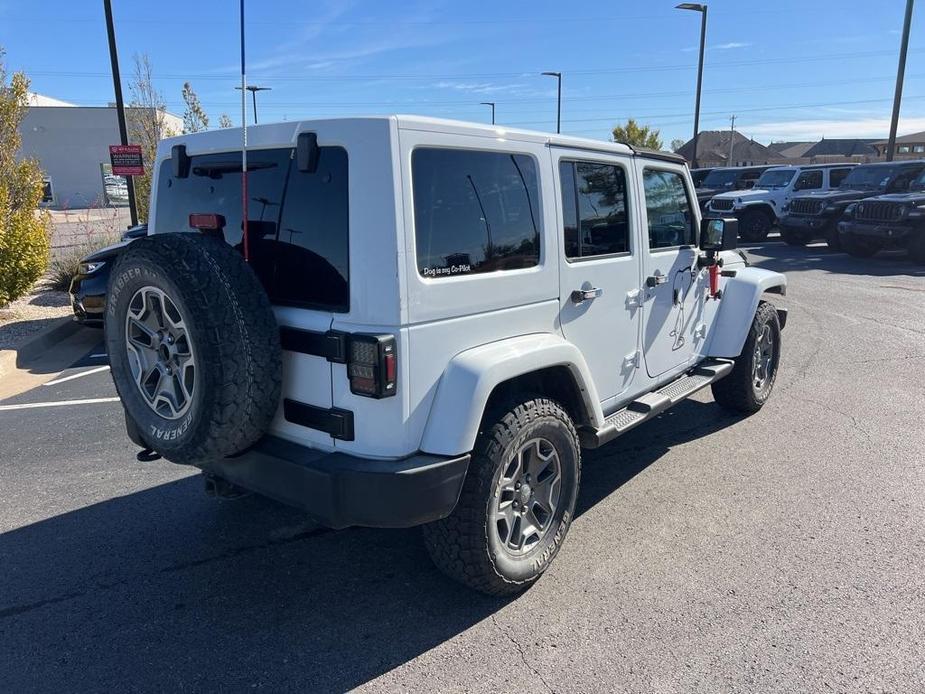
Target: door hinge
[{"x": 631, "y": 361}]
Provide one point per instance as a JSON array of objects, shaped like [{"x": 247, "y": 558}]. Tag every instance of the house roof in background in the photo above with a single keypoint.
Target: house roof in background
[
  {"x": 713, "y": 145},
  {"x": 841, "y": 147},
  {"x": 42, "y": 100},
  {"x": 911, "y": 137},
  {"x": 790, "y": 150}
]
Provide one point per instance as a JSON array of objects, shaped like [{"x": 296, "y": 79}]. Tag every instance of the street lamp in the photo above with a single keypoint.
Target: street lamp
[
  {"x": 558, "y": 76},
  {"x": 492, "y": 104},
  {"x": 900, "y": 72},
  {"x": 702, "y": 9},
  {"x": 253, "y": 89}
]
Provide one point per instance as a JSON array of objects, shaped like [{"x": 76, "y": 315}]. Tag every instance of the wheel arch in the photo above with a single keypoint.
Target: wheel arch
[
  {"x": 480, "y": 378},
  {"x": 763, "y": 207},
  {"x": 740, "y": 298}
]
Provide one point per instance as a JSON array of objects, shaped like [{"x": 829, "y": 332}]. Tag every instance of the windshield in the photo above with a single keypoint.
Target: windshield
[
  {"x": 721, "y": 178},
  {"x": 775, "y": 178},
  {"x": 918, "y": 182},
  {"x": 870, "y": 177}
]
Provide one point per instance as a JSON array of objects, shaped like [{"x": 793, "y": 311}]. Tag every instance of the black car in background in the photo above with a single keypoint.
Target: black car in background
[
  {"x": 893, "y": 220},
  {"x": 727, "y": 178},
  {"x": 88, "y": 286},
  {"x": 697, "y": 176},
  {"x": 814, "y": 216}
]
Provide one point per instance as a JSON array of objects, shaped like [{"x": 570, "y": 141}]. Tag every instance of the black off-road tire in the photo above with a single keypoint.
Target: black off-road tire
[
  {"x": 917, "y": 248},
  {"x": 754, "y": 225},
  {"x": 738, "y": 390},
  {"x": 465, "y": 545},
  {"x": 833, "y": 239},
  {"x": 860, "y": 247},
  {"x": 794, "y": 237},
  {"x": 229, "y": 328}
]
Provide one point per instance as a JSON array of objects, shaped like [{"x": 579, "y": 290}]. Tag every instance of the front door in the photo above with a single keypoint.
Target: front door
[
  {"x": 599, "y": 265},
  {"x": 674, "y": 288}
]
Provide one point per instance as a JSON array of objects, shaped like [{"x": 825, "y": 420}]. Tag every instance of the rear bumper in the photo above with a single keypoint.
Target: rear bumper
[{"x": 341, "y": 490}]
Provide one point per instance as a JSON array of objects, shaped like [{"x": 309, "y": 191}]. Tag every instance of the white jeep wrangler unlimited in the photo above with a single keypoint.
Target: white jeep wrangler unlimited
[
  {"x": 433, "y": 320},
  {"x": 760, "y": 208}
]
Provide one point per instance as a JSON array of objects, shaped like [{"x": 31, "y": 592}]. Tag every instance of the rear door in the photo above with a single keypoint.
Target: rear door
[
  {"x": 674, "y": 297},
  {"x": 599, "y": 265}
]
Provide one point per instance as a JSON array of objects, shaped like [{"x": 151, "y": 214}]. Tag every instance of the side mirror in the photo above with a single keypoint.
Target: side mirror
[
  {"x": 307, "y": 152},
  {"x": 718, "y": 234}
]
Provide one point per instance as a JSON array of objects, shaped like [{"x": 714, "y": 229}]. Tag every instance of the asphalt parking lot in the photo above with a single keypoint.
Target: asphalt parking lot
[{"x": 781, "y": 552}]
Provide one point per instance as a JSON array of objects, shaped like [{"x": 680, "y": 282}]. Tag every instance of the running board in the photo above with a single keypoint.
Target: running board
[{"x": 653, "y": 404}]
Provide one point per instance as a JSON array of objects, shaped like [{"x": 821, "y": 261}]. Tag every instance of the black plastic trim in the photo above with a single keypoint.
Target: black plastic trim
[
  {"x": 342, "y": 490},
  {"x": 332, "y": 345},
  {"x": 334, "y": 421}
]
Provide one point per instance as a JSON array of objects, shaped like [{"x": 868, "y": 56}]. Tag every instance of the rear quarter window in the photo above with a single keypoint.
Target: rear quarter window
[{"x": 474, "y": 211}]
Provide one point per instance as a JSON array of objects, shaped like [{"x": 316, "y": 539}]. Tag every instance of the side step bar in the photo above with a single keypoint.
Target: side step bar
[{"x": 653, "y": 404}]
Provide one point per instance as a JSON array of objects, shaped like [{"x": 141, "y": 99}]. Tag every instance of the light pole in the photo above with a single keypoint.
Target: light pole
[
  {"x": 492, "y": 104},
  {"x": 558, "y": 76},
  {"x": 702, "y": 9},
  {"x": 900, "y": 72},
  {"x": 253, "y": 89}
]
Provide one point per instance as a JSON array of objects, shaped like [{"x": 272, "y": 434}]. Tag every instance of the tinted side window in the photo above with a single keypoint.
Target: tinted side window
[
  {"x": 598, "y": 198},
  {"x": 474, "y": 211},
  {"x": 297, "y": 222},
  {"x": 836, "y": 176},
  {"x": 668, "y": 210},
  {"x": 809, "y": 180}
]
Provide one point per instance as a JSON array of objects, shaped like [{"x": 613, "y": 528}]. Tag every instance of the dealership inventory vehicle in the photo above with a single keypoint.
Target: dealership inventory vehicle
[
  {"x": 88, "y": 286},
  {"x": 758, "y": 209},
  {"x": 697, "y": 176},
  {"x": 426, "y": 322},
  {"x": 725, "y": 179},
  {"x": 815, "y": 215},
  {"x": 893, "y": 220}
]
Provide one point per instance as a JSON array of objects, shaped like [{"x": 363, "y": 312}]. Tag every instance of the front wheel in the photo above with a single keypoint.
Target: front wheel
[
  {"x": 917, "y": 248},
  {"x": 860, "y": 247},
  {"x": 749, "y": 384},
  {"x": 794, "y": 237},
  {"x": 517, "y": 502},
  {"x": 754, "y": 226}
]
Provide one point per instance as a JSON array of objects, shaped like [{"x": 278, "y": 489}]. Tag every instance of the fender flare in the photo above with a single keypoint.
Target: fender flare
[
  {"x": 471, "y": 376},
  {"x": 762, "y": 205},
  {"x": 741, "y": 295}
]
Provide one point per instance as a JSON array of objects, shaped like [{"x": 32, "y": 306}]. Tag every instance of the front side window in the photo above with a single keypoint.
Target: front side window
[
  {"x": 836, "y": 176},
  {"x": 474, "y": 211},
  {"x": 297, "y": 221},
  {"x": 668, "y": 210},
  {"x": 809, "y": 180},
  {"x": 594, "y": 208}
]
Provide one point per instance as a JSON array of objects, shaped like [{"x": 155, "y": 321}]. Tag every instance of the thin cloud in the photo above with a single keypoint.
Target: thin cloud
[
  {"x": 480, "y": 87},
  {"x": 720, "y": 46}
]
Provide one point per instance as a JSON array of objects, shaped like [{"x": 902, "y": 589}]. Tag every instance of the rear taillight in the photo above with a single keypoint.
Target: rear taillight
[
  {"x": 372, "y": 365},
  {"x": 207, "y": 222}
]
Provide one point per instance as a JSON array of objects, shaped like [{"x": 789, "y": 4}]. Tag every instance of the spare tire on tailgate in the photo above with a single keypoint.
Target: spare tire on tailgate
[{"x": 193, "y": 345}]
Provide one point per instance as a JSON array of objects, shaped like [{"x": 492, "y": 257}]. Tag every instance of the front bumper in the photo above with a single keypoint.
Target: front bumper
[
  {"x": 88, "y": 297},
  {"x": 341, "y": 490},
  {"x": 814, "y": 223},
  {"x": 894, "y": 231}
]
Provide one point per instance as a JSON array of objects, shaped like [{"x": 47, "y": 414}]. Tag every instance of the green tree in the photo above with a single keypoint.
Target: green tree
[
  {"x": 677, "y": 144},
  {"x": 194, "y": 117},
  {"x": 23, "y": 226},
  {"x": 147, "y": 124},
  {"x": 225, "y": 121},
  {"x": 636, "y": 135}
]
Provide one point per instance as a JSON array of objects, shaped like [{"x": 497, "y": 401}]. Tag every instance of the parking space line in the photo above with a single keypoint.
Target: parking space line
[
  {"x": 80, "y": 375},
  {"x": 32, "y": 405}
]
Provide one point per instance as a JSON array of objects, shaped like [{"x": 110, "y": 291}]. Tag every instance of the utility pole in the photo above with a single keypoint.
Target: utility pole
[
  {"x": 120, "y": 106},
  {"x": 900, "y": 73},
  {"x": 732, "y": 134}
]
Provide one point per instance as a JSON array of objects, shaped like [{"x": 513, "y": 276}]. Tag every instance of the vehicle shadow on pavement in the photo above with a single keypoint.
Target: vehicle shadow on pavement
[
  {"x": 164, "y": 589},
  {"x": 783, "y": 258}
]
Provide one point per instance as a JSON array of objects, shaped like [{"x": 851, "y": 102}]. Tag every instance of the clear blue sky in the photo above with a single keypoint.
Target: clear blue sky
[{"x": 789, "y": 69}]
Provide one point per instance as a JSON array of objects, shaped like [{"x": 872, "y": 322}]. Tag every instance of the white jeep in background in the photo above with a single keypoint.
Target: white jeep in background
[
  {"x": 433, "y": 319},
  {"x": 760, "y": 208}
]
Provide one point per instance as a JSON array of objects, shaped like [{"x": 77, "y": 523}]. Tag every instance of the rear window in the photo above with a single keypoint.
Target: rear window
[
  {"x": 474, "y": 211},
  {"x": 297, "y": 222}
]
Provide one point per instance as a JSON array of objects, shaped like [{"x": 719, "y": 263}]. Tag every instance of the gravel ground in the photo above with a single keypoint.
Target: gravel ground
[{"x": 25, "y": 317}]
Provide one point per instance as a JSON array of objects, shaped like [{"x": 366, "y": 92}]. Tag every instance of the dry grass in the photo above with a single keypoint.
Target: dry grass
[{"x": 64, "y": 264}]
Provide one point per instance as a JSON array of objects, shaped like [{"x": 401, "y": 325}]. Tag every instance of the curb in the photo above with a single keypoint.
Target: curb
[{"x": 60, "y": 329}]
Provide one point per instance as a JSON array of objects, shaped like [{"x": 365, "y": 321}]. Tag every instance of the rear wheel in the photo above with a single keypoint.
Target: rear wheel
[
  {"x": 794, "y": 237},
  {"x": 917, "y": 248},
  {"x": 749, "y": 385},
  {"x": 860, "y": 247},
  {"x": 754, "y": 225},
  {"x": 517, "y": 502}
]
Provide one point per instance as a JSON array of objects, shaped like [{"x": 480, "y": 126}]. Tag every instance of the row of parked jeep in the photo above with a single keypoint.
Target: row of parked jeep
[{"x": 860, "y": 209}]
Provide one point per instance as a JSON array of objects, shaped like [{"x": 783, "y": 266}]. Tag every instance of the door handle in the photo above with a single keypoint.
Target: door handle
[
  {"x": 652, "y": 281},
  {"x": 579, "y": 296}
]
